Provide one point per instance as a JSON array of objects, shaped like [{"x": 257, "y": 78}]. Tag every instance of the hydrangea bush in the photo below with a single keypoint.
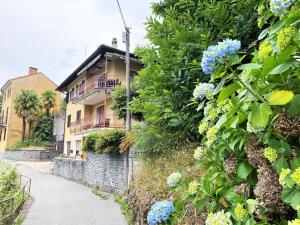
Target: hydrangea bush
[
  {"x": 250, "y": 150},
  {"x": 160, "y": 212}
]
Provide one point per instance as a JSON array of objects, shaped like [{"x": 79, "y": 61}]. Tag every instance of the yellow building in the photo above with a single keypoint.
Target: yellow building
[
  {"x": 89, "y": 95},
  {"x": 10, "y": 123}
]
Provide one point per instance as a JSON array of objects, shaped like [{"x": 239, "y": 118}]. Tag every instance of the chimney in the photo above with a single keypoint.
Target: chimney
[
  {"x": 32, "y": 71},
  {"x": 114, "y": 43}
]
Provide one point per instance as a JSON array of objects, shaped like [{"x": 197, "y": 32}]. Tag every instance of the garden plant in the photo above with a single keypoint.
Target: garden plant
[{"x": 249, "y": 153}]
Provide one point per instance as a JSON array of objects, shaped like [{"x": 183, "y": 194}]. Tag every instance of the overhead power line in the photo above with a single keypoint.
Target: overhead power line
[{"x": 121, "y": 13}]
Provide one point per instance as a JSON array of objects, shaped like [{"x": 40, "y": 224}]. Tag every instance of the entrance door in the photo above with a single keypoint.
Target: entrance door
[
  {"x": 100, "y": 116},
  {"x": 68, "y": 148}
]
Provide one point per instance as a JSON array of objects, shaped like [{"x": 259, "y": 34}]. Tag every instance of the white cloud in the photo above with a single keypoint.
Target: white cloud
[{"x": 53, "y": 35}]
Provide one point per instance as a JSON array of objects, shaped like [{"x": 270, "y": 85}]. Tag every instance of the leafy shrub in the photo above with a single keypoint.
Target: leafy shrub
[
  {"x": 89, "y": 143},
  {"x": 43, "y": 129},
  {"x": 109, "y": 142},
  {"x": 8, "y": 180},
  {"x": 151, "y": 141},
  {"x": 119, "y": 103},
  {"x": 104, "y": 142},
  {"x": 32, "y": 142},
  {"x": 249, "y": 152},
  {"x": 151, "y": 183},
  {"x": 179, "y": 32}
]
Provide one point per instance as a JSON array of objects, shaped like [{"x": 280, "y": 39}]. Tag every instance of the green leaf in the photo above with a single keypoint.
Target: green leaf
[
  {"x": 243, "y": 170},
  {"x": 295, "y": 163},
  {"x": 263, "y": 34},
  {"x": 260, "y": 114},
  {"x": 226, "y": 92},
  {"x": 250, "y": 66},
  {"x": 294, "y": 107},
  {"x": 251, "y": 205},
  {"x": 280, "y": 164},
  {"x": 281, "y": 68},
  {"x": 201, "y": 203},
  {"x": 281, "y": 97},
  {"x": 280, "y": 146}
]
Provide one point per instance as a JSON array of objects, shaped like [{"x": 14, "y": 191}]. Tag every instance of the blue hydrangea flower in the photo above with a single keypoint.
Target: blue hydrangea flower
[
  {"x": 173, "y": 179},
  {"x": 217, "y": 52},
  {"x": 160, "y": 212},
  {"x": 202, "y": 90},
  {"x": 280, "y": 5}
]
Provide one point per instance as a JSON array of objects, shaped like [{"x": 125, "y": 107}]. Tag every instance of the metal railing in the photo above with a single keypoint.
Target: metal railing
[
  {"x": 10, "y": 207},
  {"x": 96, "y": 82},
  {"x": 89, "y": 123}
]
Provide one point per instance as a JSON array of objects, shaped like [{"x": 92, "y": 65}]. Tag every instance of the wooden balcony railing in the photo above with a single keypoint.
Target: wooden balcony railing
[
  {"x": 89, "y": 123},
  {"x": 102, "y": 81},
  {"x": 3, "y": 120}
]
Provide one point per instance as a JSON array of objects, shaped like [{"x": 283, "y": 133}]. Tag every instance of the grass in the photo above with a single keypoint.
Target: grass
[
  {"x": 99, "y": 194},
  {"x": 19, "y": 221},
  {"x": 125, "y": 209}
]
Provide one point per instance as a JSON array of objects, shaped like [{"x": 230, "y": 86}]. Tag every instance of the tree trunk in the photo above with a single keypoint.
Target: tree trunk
[
  {"x": 29, "y": 129},
  {"x": 23, "y": 129}
]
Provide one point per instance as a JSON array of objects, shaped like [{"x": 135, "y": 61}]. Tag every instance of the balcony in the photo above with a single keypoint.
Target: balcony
[
  {"x": 3, "y": 121},
  {"x": 89, "y": 124},
  {"x": 91, "y": 93}
]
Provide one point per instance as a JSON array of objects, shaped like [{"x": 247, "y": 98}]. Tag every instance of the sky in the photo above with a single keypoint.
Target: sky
[{"x": 55, "y": 36}]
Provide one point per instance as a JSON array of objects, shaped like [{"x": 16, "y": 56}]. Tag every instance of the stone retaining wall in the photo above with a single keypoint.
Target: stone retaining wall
[
  {"x": 30, "y": 155},
  {"x": 106, "y": 171}
]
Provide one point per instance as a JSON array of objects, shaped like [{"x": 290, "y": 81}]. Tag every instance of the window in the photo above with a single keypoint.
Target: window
[
  {"x": 8, "y": 92},
  {"x": 1, "y": 135},
  {"x": 72, "y": 95},
  {"x": 78, "y": 116},
  {"x": 4, "y": 134},
  {"x": 69, "y": 121}
]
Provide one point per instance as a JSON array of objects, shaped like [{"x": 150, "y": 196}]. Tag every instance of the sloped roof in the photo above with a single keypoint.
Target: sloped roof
[{"x": 100, "y": 51}]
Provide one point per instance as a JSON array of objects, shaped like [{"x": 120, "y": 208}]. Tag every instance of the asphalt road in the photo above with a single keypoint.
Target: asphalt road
[{"x": 61, "y": 202}]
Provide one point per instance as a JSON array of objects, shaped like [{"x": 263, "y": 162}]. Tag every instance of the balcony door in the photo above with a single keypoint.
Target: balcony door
[{"x": 100, "y": 116}]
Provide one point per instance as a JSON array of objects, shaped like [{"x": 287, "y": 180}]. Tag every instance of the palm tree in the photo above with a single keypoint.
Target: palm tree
[
  {"x": 48, "y": 100},
  {"x": 27, "y": 106}
]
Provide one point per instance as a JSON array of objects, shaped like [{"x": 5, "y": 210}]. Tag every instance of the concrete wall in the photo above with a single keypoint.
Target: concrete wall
[
  {"x": 106, "y": 171},
  {"x": 30, "y": 155}
]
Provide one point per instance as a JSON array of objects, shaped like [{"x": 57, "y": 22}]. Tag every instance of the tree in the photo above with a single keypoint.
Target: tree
[
  {"x": 48, "y": 100},
  {"x": 179, "y": 32},
  {"x": 119, "y": 103},
  {"x": 27, "y": 106}
]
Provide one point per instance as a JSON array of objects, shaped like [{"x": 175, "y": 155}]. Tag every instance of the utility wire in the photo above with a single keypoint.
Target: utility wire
[{"x": 120, "y": 9}]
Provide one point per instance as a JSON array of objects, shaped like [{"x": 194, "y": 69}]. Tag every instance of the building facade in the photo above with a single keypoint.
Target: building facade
[
  {"x": 89, "y": 96},
  {"x": 10, "y": 122}
]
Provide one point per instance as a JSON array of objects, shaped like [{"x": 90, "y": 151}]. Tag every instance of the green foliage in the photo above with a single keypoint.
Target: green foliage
[
  {"x": 124, "y": 208},
  {"x": 109, "y": 142},
  {"x": 104, "y": 142},
  {"x": 48, "y": 100},
  {"x": 32, "y": 142},
  {"x": 119, "y": 103},
  {"x": 97, "y": 192},
  {"x": 89, "y": 143},
  {"x": 179, "y": 31},
  {"x": 256, "y": 111},
  {"x": 152, "y": 141},
  {"x": 43, "y": 129},
  {"x": 8, "y": 180},
  {"x": 27, "y": 106}
]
